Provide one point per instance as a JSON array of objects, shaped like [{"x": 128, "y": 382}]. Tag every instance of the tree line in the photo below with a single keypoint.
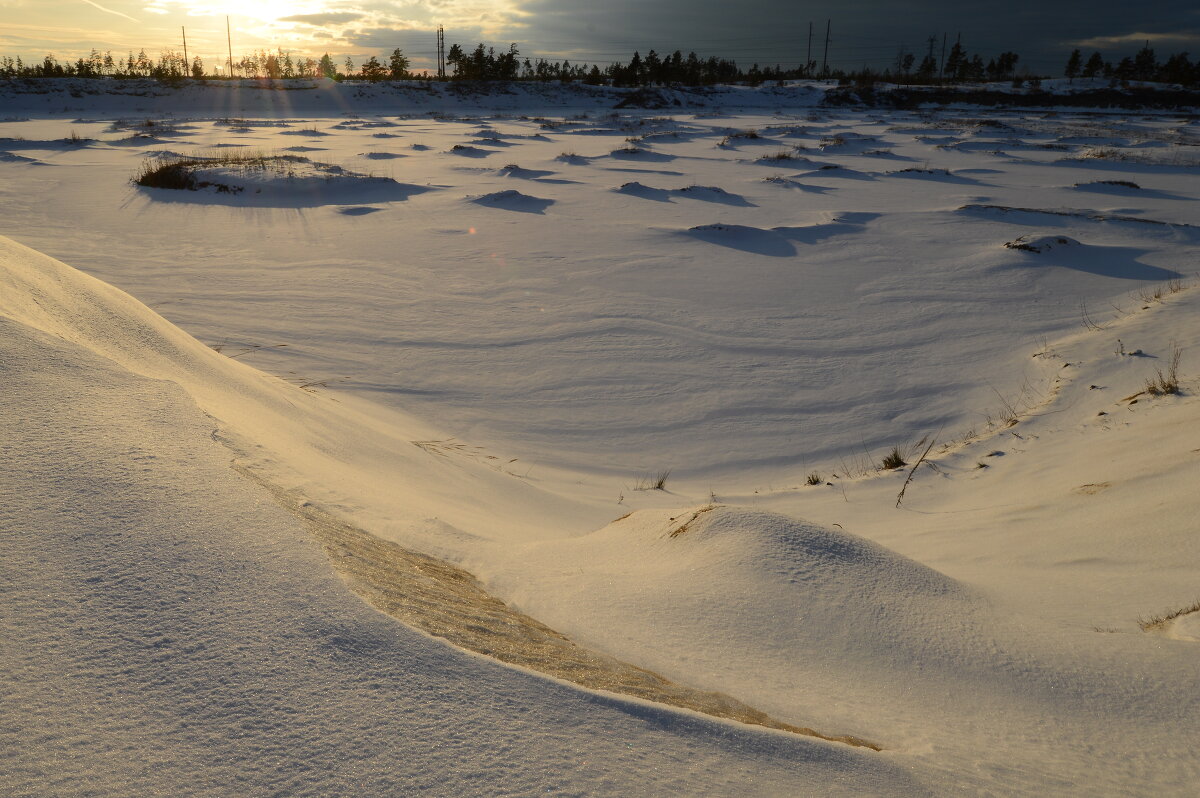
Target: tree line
[
  {"x": 484, "y": 63},
  {"x": 1178, "y": 68}
]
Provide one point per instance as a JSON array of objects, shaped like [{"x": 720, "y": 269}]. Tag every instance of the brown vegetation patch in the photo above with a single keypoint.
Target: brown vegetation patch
[{"x": 445, "y": 601}]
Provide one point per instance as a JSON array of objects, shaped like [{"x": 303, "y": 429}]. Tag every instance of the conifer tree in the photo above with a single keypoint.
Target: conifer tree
[
  {"x": 398, "y": 65},
  {"x": 373, "y": 70},
  {"x": 325, "y": 67},
  {"x": 1074, "y": 64},
  {"x": 1094, "y": 66}
]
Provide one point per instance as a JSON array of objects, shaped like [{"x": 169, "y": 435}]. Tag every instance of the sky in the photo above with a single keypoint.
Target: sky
[{"x": 768, "y": 32}]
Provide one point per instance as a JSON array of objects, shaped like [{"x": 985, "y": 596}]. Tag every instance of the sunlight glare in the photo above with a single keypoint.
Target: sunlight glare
[{"x": 262, "y": 10}]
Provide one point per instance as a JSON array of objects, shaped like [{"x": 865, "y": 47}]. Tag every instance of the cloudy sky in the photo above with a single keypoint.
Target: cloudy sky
[{"x": 864, "y": 32}]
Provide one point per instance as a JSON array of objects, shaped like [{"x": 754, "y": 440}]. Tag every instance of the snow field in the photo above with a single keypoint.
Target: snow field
[{"x": 555, "y": 317}]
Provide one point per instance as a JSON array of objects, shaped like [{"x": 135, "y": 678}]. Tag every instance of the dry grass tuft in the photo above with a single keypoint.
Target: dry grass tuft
[
  {"x": 655, "y": 482},
  {"x": 894, "y": 459},
  {"x": 1164, "y": 384},
  {"x": 1159, "y": 621},
  {"x": 686, "y": 525},
  {"x": 782, "y": 155},
  {"x": 178, "y": 171}
]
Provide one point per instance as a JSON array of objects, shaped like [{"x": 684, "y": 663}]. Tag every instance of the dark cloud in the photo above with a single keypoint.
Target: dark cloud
[
  {"x": 863, "y": 31},
  {"x": 320, "y": 20}
]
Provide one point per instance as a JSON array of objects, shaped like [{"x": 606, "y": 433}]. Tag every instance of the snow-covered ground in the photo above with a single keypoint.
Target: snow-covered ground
[{"x": 485, "y": 337}]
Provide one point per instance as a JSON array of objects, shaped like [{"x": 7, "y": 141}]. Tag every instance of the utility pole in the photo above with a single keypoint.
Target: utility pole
[
  {"x": 187, "y": 65},
  {"x": 441, "y": 52},
  {"x": 808, "y": 61},
  {"x": 825, "y": 60},
  {"x": 942, "y": 68},
  {"x": 229, "y": 41}
]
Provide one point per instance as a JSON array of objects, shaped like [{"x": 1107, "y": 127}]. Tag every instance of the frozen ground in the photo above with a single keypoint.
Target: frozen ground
[{"x": 487, "y": 332}]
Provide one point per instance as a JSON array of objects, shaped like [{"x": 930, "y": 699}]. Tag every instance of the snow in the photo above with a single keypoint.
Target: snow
[
  {"x": 492, "y": 364},
  {"x": 170, "y": 630}
]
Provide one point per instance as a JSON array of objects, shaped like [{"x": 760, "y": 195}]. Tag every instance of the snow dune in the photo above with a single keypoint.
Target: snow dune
[{"x": 202, "y": 643}]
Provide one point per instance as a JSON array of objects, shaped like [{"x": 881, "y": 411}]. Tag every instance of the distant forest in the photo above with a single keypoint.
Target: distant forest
[{"x": 486, "y": 64}]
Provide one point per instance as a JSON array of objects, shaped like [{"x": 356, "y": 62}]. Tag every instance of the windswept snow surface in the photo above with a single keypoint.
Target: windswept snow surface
[
  {"x": 169, "y": 630},
  {"x": 493, "y": 370}
]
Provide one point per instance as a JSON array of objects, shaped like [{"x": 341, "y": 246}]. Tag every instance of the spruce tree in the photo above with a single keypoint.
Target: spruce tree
[
  {"x": 398, "y": 65},
  {"x": 1073, "y": 65},
  {"x": 373, "y": 70},
  {"x": 325, "y": 67}
]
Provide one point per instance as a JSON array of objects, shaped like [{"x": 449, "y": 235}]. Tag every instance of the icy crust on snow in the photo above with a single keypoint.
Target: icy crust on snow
[{"x": 170, "y": 630}]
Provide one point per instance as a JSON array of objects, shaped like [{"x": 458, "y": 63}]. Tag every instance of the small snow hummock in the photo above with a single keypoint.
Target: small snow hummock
[{"x": 1040, "y": 244}]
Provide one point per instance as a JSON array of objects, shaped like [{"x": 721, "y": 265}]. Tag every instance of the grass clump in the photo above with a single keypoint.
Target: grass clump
[
  {"x": 176, "y": 175},
  {"x": 1102, "y": 154},
  {"x": 653, "y": 482},
  {"x": 1166, "y": 383},
  {"x": 179, "y": 171},
  {"x": 814, "y": 478},
  {"x": 1159, "y": 621},
  {"x": 894, "y": 459},
  {"x": 750, "y": 133}
]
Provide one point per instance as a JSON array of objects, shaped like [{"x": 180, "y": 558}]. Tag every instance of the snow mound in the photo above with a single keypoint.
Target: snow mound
[
  {"x": 943, "y": 175},
  {"x": 469, "y": 151},
  {"x": 1038, "y": 244},
  {"x": 713, "y": 194},
  {"x": 748, "y": 598},
  {"x": 512, "y": 200},
  {"x": 512, "y": 170},
  {"x": 1119, "y": 187},
  {"x": 833, "y": 567},
  {"x": 1185, "y": 627},
  {"x": 745, "y": 238},
  {"x": 636, "y": 189},
  {"x": 275, "y": 181},
  {"x": 837, "y": 170}
]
